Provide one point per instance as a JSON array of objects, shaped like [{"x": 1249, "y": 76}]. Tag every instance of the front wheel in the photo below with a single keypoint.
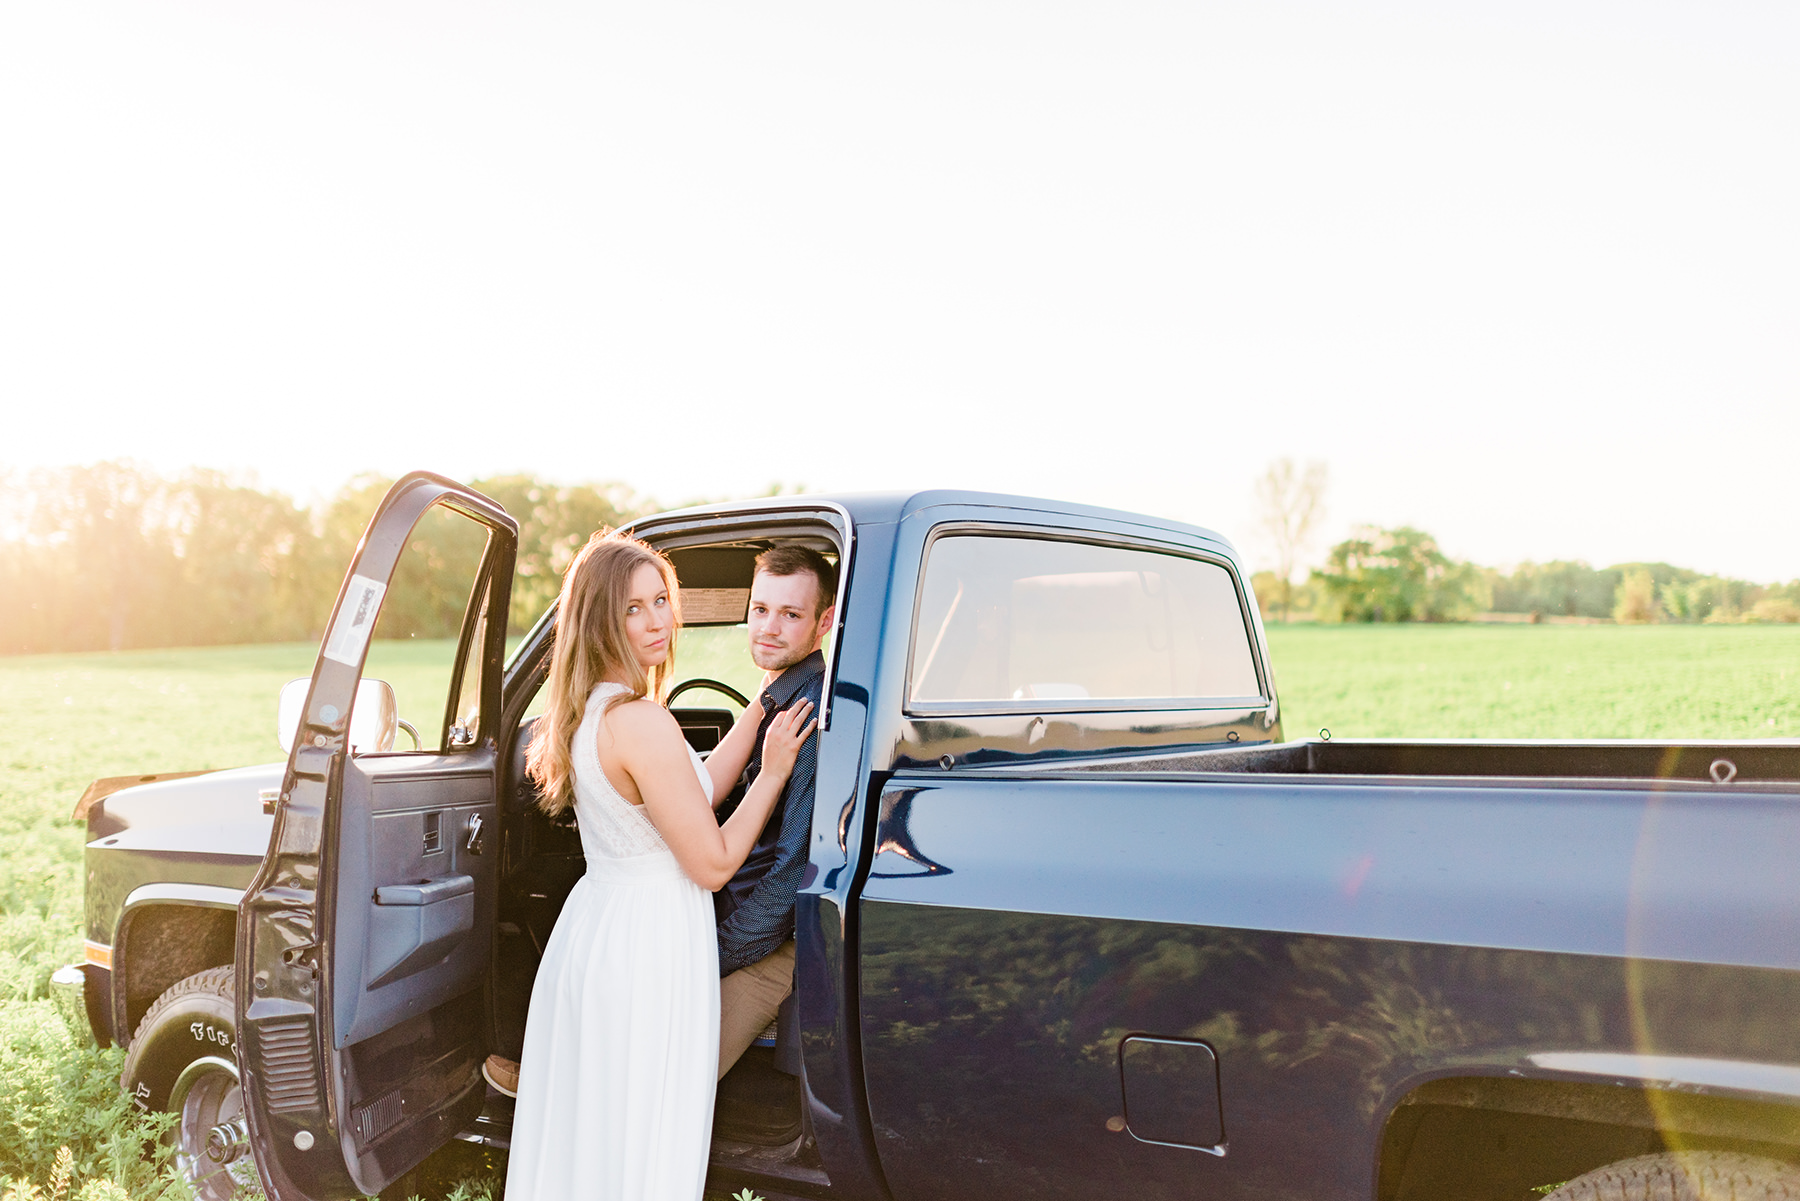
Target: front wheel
[
  {"x": 183, "y": 1060},
  {"x": 1686, "y": 1176}
]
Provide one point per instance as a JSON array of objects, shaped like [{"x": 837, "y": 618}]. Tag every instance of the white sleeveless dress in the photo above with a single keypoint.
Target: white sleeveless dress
[{"x": 622, "y": 1040}]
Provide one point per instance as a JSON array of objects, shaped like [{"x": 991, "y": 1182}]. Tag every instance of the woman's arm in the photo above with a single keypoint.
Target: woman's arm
[
  {"x": 732, "y": 755},
  {"x": 652, "y": 751}
]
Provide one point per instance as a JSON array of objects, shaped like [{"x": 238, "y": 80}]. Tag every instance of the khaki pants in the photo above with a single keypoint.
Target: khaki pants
[{"x": 748, "y": 1000}]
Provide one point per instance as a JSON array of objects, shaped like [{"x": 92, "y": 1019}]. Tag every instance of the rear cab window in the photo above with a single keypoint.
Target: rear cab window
[{"x": 1034, "y": 624}]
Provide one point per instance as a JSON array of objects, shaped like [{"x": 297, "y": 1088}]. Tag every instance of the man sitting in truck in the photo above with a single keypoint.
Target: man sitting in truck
[{"x": 792, "y": 601}]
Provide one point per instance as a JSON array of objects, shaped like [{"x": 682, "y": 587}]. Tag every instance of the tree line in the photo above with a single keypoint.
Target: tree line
[
  {"x": 114, "y": 556},
  {"x": 1401, "y": 574}
]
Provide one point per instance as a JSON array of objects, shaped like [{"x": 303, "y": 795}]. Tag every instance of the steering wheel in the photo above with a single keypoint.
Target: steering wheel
[{"x": 715, "y": 685}]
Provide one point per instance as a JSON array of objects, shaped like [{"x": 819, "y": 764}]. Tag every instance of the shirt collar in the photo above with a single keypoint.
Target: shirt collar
[{"x": 782, "y": 688}]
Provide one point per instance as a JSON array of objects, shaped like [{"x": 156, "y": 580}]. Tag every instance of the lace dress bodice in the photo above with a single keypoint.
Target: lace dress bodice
[{"x": 611, "y": 826}]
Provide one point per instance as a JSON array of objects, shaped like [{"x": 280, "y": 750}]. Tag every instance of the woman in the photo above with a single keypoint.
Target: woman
[{"x": 622, "y": 1042}]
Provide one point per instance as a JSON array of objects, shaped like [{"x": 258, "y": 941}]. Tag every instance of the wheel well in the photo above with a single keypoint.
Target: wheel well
[
  {"x": 1499, "y": 1139},
  {"x": 158, "y": 945}
]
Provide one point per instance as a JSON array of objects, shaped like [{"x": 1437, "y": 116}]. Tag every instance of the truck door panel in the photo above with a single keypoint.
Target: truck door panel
[
  {"x": 365, "y": 940},
  {"x": 405, "y": 859}
]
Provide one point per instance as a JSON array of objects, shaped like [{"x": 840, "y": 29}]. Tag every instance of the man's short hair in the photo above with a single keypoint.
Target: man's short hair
[{"x": 791, "y": 559}]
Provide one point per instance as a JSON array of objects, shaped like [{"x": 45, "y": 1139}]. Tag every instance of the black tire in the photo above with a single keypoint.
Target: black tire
[
  {"x": 1686, "y": 1176},
  {"x": 183, "y": 1059}
]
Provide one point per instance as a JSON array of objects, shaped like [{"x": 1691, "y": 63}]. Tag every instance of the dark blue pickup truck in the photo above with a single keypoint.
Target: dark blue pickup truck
[{"x": 1077, "y": 923}]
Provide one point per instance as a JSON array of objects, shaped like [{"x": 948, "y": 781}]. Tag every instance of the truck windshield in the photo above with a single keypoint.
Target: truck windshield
[{"x": 1027, "y": 620}]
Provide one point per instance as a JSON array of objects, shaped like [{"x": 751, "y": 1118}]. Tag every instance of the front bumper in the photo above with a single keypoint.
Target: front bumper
[{"x": 68, "y": 989}]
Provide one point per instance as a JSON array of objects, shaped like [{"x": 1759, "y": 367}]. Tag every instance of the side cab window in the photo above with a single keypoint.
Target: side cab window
[{"x": 436, "y": 584}]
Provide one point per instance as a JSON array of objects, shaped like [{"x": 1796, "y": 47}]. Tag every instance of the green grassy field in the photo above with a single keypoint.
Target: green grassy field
[
  {"x": 1524, "y": 681},
  {"x": 72, "y": 718}
]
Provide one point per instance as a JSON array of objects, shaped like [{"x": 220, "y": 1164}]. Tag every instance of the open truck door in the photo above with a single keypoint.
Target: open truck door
[{"x": 364, "y": 943}]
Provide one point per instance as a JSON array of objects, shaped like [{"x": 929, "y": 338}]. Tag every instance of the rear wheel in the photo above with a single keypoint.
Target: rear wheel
[
  {"x": 183, "y": 1060},
  {"x": 1686, "y": 1176}
]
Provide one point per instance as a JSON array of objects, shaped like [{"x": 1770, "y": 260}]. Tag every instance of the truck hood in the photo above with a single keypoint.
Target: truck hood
[{"x": 216, "y": 798}]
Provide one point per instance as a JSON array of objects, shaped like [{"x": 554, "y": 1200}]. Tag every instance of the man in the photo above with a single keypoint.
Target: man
[
  {"x": 793, "y": 597},
  {"x": 792, "y": 600}
]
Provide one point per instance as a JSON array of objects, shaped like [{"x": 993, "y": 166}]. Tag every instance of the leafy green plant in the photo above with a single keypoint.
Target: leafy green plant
[
  {"x": 62, "y": 1175},
  {"x": 63, "y": 1117},
  {"x": 472, "y": 1188}
]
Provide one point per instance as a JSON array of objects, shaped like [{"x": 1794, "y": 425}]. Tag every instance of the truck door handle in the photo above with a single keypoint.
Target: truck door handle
[
  {"x": 420, "y": 893},
  {"x": 473, "y": 845}
]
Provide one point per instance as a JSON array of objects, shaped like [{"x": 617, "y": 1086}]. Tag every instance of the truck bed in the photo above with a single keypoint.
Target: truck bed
[
  {"x": 1737, "y": 763},
  {"x": 1338, "y": 923}
]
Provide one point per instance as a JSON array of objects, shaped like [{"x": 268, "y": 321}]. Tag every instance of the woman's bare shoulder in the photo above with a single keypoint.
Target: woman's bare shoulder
[{"x": 643, "y": 722}]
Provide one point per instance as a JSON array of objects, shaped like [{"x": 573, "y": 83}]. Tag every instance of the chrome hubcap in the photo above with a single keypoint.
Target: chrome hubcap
[{"x": 212, "y": 1139}]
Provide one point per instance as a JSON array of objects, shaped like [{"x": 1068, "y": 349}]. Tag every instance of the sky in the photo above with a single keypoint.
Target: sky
[{"x": 1524, "y": 274}]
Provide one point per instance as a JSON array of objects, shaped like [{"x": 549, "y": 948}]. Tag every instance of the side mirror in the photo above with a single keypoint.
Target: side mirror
[{"x": 374, "y": 717}]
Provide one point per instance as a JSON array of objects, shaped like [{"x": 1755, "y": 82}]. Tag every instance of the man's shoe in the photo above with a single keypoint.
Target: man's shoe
[{"x": 503, "y": 1074}]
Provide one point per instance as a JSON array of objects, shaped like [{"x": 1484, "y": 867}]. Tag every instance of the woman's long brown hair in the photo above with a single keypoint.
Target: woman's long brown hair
[{"x": 589, "y": 645}]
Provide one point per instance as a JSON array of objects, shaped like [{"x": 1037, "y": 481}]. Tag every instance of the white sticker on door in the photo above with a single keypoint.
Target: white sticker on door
[{"x": 355, "y": 620}]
